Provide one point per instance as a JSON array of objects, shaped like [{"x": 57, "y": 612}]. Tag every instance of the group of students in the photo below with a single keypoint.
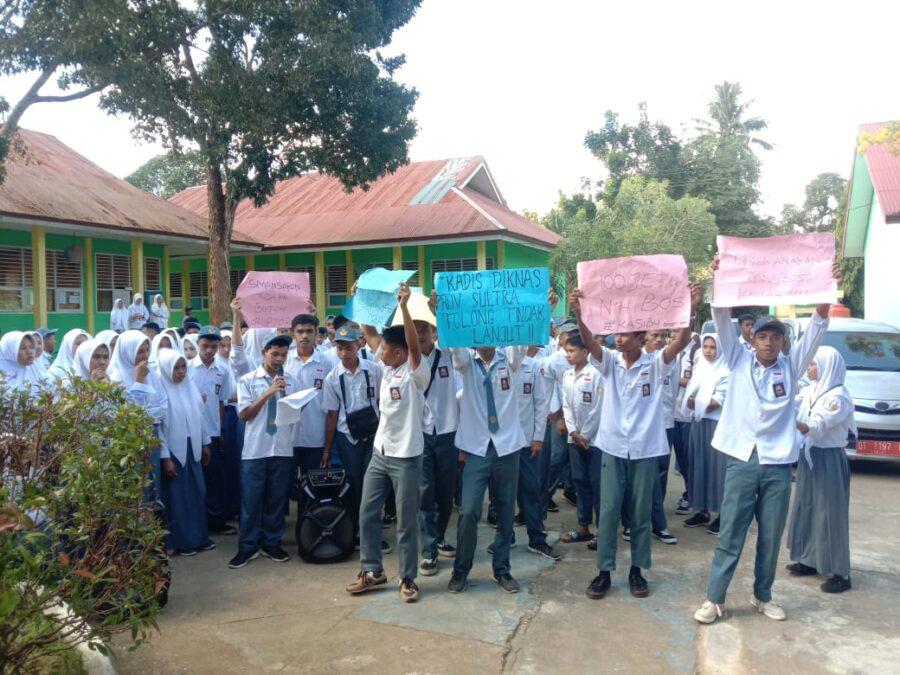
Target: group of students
[{"x": 418, "y": 427}]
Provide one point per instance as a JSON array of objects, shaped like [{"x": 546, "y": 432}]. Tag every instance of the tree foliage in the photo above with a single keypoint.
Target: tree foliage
[
  {"x": 819, "y": 212},
  {"x": 74, "y": 526},
  {"x": 643, "y": 219},
  {"x": 888, "y": 135},
  {"x": 168, "y": 174}
]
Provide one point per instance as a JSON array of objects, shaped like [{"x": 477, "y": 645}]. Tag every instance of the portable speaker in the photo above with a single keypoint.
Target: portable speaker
[{"x": 324, "y": 528}]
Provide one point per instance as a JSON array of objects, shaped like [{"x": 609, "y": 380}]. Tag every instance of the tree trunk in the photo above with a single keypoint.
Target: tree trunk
[{"x": 221, "y": 220}]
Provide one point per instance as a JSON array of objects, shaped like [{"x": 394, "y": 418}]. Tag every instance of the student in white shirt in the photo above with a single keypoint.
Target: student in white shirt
[
  {"x": 395, "y": 461},
  {"x": 582, "y": 391},
  {"x": 819, "y": 534},
  {"x": 757, "y": 431},
  {"x": 211, "y": 380},
  {"x": 681, "y": 376},
  {"x": 137, "y": 313},
  {"x": 351, "y": 391},
  {"x": 746, "y": 322},
  {"x": 631, "y": 437},
  {"x": 119, "y": 316},
  {"x": 309, "y": 367},
  {"x": 61, "y": 368},
  {"x": 17, "y": 367},
  {"x": 268, "y": 456},
  {"x": 489, "y": 436}
]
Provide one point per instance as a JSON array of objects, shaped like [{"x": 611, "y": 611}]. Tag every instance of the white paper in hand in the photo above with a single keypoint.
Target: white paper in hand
[{"x": 289, "y": 407}]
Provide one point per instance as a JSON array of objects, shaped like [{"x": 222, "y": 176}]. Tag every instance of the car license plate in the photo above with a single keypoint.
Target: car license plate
[{"x": 878, "y": 448}]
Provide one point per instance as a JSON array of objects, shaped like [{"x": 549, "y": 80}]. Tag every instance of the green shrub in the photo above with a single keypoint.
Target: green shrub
[{"x": 74, "y": 525}]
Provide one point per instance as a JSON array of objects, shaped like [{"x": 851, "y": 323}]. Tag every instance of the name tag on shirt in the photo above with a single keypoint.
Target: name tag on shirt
[
  {"x": 645, "y": 389},
  {"x": 778, "y": 389},
  {"x": 395, "y": 393},
  {"x": 443, "y": 371},
  {"x": 687, "y": 374},
  {"x": 218, "y": 389},
  {"x": 317, "y": 383},
  {"x": 586, "y": 397},
  {"x": 504, "y": 383},
  {"x": 370, "y": 392},
  {"x": 526, "y": 387}
]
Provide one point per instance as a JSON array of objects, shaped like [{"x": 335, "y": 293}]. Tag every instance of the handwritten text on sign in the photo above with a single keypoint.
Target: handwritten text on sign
[
  {"x": 493, "y": 308},
  {"x": 644, "y": 292},
  {"x": 787, "y": 270},
  {"x": 273, "y": 299}
]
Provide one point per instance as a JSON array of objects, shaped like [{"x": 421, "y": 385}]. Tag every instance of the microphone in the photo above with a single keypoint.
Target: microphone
[{"x": 280, "y": 373}]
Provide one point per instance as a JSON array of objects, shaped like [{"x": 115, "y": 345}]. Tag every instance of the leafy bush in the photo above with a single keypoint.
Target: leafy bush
[{"x": 74, "y": 525}]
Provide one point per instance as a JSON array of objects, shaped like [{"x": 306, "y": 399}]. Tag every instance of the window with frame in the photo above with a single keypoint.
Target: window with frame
[
  {"x": 459, "y": 265},
  {"x": 153, "y": 275},
  {"x": 63, "y": 282},
  {"x": 16, "y": 293},
  {"x": 199, "y": 286},
  {"x": 336, "y": 285},
  {"x": 113, "y": 279},
  {"x": 311, "y": 271},
  {"x": 235, "y": 277},
  {"x": 176, "y": 301}
]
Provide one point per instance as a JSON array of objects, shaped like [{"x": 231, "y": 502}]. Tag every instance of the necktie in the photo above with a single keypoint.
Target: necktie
[
  {"x": 271, "y": 410},
  {"x": 493, "y": 422}
]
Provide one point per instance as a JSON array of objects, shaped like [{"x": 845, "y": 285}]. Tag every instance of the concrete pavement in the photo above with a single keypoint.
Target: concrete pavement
[{"x": 296, "y": 618}]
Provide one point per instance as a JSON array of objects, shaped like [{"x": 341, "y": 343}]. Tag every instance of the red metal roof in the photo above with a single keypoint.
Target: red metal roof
[
  {"x": 884, "y": 169},
  {"x": 50, "y": 181},
  {"x": 419, "y": 201}
]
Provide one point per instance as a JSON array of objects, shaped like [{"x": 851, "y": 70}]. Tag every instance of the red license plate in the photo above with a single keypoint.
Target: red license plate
[{"x": 878, "y": 448}]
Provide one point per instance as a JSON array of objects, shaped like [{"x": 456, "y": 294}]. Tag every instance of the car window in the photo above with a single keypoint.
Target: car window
[{"x": 866, "y": 351}]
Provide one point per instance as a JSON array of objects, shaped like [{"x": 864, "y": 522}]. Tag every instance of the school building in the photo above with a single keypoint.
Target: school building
[{"x": 74, "y": 238}]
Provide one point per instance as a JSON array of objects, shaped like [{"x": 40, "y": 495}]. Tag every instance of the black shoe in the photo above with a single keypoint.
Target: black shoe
[
  {"x": 446, "y": 549},
  {"x": 275, "y": 554},
  {"x": 598, "y": 587},
  {"x": 836, "y": 584},
  {"x": 698, "y": 519},
  {"x": 571, "y": 497},
  {"x": 492, "y": 519},
  {"x": 242, "y": 558},
  {"x": 713, "y": 527},
  {"x": 637, "y": 583},
  {"x": 507, "y": 583},
  {"x": 458, "y": 583},
  {"x": 388, "y": 519},
  {"x": 592, "y": 544},
  {"x": 385, "y": 547},
  {"x": 552, "y": 507},
  {"x": 188, "y": 552},
  {"x": 208, "y": 546},
  {"x": 545, "y": 550},
  {"x": 798, "y": 569},
  {"x": 520, "y": 520}
]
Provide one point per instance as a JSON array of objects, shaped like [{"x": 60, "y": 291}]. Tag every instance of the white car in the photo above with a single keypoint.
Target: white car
[{"x": 871, "y": 351}]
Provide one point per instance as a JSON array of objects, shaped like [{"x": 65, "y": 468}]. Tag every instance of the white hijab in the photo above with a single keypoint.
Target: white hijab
[
  {"x": 706, "y": 376},
  {"x": 61, "y": 367},
  {"x": 118, "y": 317},
  {"x": 17, "y": 376},
  {"x": 182, "y": 420},
  {"x": 832, "y": 372},
  {"x": 175, "y": 338},
  {"x": 81, "y": 366},
  {"x": 40, "y": 364},
  {"x": 121, "y": 365},
  {"x": 254, "y": 341},
  {"x": 160, "y": 312}
]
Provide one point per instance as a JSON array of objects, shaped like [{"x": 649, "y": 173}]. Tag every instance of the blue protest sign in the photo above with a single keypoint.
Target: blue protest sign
[
  {"x": 493, "y": 308},
  {"x": 380, "y": 279},
  {"x": 376, "y": 296}
]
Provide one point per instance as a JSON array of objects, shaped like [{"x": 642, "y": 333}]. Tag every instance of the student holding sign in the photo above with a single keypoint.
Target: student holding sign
[
  {"x": 757, "y": 431},
  {"x": 631, "y": 438}
]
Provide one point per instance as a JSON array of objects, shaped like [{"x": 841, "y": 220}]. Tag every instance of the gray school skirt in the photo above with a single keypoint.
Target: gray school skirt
[
  {"x": 707, "y": 467},
  {"x": 819, "y": 532}
]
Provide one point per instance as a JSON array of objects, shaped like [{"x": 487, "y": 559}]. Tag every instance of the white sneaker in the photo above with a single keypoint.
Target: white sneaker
[
  {"x": 770, "y": 609},
  {"x": 708, "y": 612}
]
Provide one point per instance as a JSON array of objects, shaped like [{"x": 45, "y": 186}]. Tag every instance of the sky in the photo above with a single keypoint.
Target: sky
[{"x": 522, "y": 82}]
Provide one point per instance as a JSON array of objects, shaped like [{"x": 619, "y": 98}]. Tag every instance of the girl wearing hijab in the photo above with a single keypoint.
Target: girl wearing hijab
[
  {"x": 175, "y": 337},
  {"x": 130, "y": 368},
  {"x": 703, "y": 399},
  {"x": 17, "y": 361},
  {"x": 40, "y": 363},
  {"x": 61, "y": 368},
  {"x": 137, "y": 313},
  {"x": 109, "y": 338},
  {"x": 92, "y": 360},
  {"x": 160, "y": 342},
  {"x": 819, "y": 534},
  {"x": 159, "y": 312},
  {"x": 183, "y": 447},
  {"x": 118, "y": 317},
  {"x": 189, "y": 346}
]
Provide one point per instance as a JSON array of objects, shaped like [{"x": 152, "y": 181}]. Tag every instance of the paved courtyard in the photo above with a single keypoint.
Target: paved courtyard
[{"x": 296, "y": 617}]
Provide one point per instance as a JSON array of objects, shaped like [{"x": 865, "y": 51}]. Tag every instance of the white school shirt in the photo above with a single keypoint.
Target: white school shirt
[
  {"x": 357, "y": 396},
  {"x": 534, "y": 399},
  {"x": 441, "y": 415},
  {"x": 473, "y": 435},
  {"x": 402, "y": 403},
  {"x": 310, "y": 430},
  {"x": 632, "y": 419},
  {"x": 555, "y": 365},
  {"x": 583, "y": 401},
  {"x": 212, "y": 383},
  {"x": 759, "y": 412},
  {"x": 829, "y": 419},
  {"x": 685, "y": 369},
  {"x": 670, "y": 392},
  {"x": 258, "y": 444}
]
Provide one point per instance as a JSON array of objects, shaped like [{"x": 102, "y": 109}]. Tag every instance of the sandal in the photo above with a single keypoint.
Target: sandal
[{"x": 575, "y": 537}]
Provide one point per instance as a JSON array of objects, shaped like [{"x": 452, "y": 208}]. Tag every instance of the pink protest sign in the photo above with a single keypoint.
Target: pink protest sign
[
  {"x": 273, "y": 299},
  {"x": 794, "y": 269},
  {"x": 644, "y": 292}
]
